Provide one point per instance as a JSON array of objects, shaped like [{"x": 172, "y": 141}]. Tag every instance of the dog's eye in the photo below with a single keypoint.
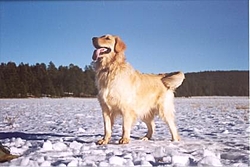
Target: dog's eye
[{"x": 107, "y": 38}]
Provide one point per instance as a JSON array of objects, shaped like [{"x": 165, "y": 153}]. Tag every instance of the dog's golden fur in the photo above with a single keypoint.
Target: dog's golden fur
[{"x": 127, "y": 92}]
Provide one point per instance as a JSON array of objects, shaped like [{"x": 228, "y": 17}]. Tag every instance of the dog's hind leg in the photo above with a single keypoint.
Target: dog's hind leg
[
  {"x": 166, "y": 112},
  {"x": 149, "y": 121},
  {"x": 173, "y": 130}
]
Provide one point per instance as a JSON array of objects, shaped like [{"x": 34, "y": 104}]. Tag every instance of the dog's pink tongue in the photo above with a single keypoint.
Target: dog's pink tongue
[{"x": 97, "y": 52}]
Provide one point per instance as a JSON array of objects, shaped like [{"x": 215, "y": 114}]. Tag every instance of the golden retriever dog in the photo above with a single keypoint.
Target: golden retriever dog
[{"x": 124, "y": 91}]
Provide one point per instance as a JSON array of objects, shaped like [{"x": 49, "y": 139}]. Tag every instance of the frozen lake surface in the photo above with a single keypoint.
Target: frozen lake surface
[{"x": 62, "y": 132}]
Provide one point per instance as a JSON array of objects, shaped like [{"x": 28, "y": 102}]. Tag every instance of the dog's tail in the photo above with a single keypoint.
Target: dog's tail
[{"x": 172, "y": 80}]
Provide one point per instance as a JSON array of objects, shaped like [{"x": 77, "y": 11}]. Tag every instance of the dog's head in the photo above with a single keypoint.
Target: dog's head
[{"x": 108, "y": 47}]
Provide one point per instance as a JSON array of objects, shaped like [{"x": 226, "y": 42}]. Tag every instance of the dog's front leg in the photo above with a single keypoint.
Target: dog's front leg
[
  {"x": 108, "y": 122},
  {"x": 128, "y": 120}
]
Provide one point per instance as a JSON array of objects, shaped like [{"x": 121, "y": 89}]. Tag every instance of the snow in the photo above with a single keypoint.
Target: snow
[
  {"x": 62, "y": 132},
  {"x": 47, "y": 146}
]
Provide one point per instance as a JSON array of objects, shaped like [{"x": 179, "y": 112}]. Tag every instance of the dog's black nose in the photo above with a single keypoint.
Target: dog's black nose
[{"x": 94, "y": 38}]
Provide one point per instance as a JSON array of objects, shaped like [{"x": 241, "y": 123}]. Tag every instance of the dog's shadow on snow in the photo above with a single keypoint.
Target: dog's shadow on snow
[
  {"x": 46, "y": 136},
  {"x": 81, "y": 138},
  {"x": 28, "y": 136}
]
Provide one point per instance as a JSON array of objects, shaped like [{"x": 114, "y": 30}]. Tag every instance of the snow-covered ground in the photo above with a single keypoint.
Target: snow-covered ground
[{"x": 62, "y": 132}]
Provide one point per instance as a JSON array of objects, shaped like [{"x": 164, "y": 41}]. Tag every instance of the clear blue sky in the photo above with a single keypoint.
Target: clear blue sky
[{"x": 161, "y": 36}]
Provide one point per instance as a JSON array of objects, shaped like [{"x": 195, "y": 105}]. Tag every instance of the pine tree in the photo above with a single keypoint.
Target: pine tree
[
  {"x": 11, "y": 80},
  {"x": 89, "y": 81}
]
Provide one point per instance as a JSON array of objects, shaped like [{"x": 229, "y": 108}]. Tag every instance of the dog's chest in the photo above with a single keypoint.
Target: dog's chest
[{"x": 111, "y": 91}]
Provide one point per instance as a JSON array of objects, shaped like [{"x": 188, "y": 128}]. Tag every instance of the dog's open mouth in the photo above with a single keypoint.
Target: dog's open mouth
[{"x": 99, "y": 52}]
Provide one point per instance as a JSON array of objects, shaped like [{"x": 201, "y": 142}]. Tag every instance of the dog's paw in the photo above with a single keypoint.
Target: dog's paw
[
  {"x": 177, "y": 138},
  {"x": 124, "y": 141},
  {"x": 102, "y": 142},
  {"x": 145, "y": 138}
]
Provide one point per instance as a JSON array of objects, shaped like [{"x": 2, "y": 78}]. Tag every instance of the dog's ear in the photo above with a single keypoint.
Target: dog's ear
[{"x": 119, "y": 45}]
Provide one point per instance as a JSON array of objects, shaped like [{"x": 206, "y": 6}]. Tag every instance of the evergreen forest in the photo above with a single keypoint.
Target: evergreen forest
[
  {"x": 41, "y": 80},
  {"x": 215, "y": 83}
]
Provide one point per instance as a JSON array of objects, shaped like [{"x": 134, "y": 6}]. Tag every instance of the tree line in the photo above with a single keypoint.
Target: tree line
[
  {"x": 215, "y": 83},
  {"x": 41, "y": 80}
]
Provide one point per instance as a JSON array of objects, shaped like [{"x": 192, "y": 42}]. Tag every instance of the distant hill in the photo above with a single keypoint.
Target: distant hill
[{"x": 215, "y": 83}]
